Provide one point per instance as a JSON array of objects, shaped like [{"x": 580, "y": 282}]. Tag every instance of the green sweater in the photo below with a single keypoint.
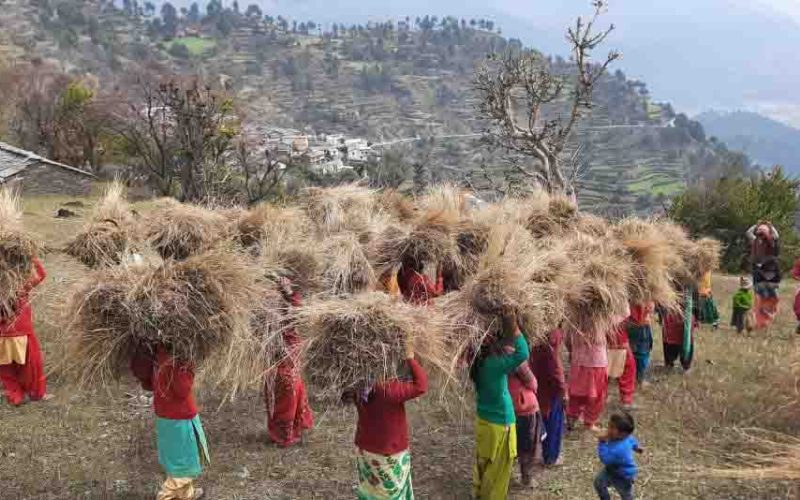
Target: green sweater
[
  {"x": 743, "y": 299},
  {"x": 494, "y": 401}
]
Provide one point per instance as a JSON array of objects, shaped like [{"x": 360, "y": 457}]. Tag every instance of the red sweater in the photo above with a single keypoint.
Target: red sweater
[
  {"x": 21, "y": 324},
  {"x": 548, "y": 369},
  {"x": 418, "y": 288},
  {"x": 673, "y": 328},
  {"x": 522, "y": 388},
  {"x": 171, "y": 383},
  {"x": 382, "y": 427}
]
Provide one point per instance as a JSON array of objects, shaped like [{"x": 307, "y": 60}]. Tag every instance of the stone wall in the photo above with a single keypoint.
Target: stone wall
[{"x": 44, "y": 179}]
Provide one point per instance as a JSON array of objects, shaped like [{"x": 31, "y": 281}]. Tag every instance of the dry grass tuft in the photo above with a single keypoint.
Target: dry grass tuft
[
  {"x": 269, "y": 225},
  {"x": 113, "y": 205},
  {"x": 362, "y": 338},
  {"x": 346, "y": 269},
  {"x": 599, "y": 298},
  {"x": 100, "y": 244},
  {"x": 443, "y": 198},
  {"x": 780, "y": 460},
  {"x": 397, "y": 206},
  {"x": 179, "y": 231},
  {"x": 343, "y": 208}
]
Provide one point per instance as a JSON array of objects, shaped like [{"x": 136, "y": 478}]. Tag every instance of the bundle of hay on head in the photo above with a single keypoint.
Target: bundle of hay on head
[
  {"x": 682, "y": 257},
  {"x": 346, "y": 268},
  {"x": 397, "y": 206},
  {"x": 109, "y": 234},
  {"x": 271, "y": 225},
  {"x": 649, "y": 252},
  {"x": 342, "y": 208},
  {"x": 179, "y": 231},
  {"x": 199, "y": 310},
  {"x": 472, "y": 240},
  {"x": 361, "y": 339},
  {"x": 101, "y": 333},
  {"x": 443, "y": 198},
  {"x": 17, "y": 251},
  {"x": 561, "y": 217},
  {"x": 599, "y": 299}
]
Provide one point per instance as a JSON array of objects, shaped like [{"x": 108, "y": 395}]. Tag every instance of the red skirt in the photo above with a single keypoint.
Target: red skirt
[
  {"x": 590, "y": 382},
  {"x": 287, "y": 406}
]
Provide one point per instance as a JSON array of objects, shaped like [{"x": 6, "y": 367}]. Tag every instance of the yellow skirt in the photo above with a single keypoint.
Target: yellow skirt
[
  {"x": 496, "y": 449},
  {"x": 13, "y": 350}
]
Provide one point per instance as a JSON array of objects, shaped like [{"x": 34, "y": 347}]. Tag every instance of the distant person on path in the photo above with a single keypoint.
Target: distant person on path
[
  {"x": 180, "y": 439},
  {"x": 764, "y": 239},
  {"x": 616, "y": 448},
  {"x": 21, "y": 361},
  {"x": 545, "y": 362},
  {"x": 287, "y": 402},
  {"x": 382, "y": 441},
  {"x": 709, "y": 314},
  {"x": 522, "y": 386},
  {"x": 743, "y": 306},
  {"x": 640, "y": 337},
  {"x": 495, "y": 426},
  {"x": 768, "y": 279}
]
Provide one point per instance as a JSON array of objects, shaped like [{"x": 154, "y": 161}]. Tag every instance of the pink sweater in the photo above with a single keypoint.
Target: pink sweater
[{"x": 582, "y": 353}]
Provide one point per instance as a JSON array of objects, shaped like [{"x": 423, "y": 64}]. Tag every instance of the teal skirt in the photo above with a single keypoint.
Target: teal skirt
[
  {"x": 182, "y": 446},
  {"x": 708, "y": 311}
]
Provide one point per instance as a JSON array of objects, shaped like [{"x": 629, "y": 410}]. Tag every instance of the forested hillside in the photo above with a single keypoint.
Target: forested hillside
[{"x": 405, "y": 86}]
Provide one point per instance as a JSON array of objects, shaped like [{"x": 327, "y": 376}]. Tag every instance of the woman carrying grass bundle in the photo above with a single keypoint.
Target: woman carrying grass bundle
[
  {"x": 545, "y": 361},
  {"x": 495, "y": 429},
  {"x": 180, "y": 438},
  {"x": 626, "y": 381},
  {"x": 21, "y": 363},
  {"x": 287, "y": 403},
  {"x": 588, "y": 380},
  {"x": 640, "y": 337},
  {"x": 384, "y": 460},
  {"x": 522, "y": 387},
  {"x": 415, "y": 286},
  {"x": 678, "y": 332}
]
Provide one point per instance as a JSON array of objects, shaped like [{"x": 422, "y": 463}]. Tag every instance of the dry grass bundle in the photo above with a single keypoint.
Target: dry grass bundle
[
  {"x": 100, "y": 244},
  {"x": 340, "y": 208},
  {"x": 472, "y": 240},
  {"x": 362, "y": 338},
  {"x": 113, "y": 205},
  {"x": 682, "y": 258},
  {"x": 268, "y": 224},
  {"x": 599, "y": 298},
  {"x": 708, "y": 255},
  {"x": 301, "y": 264},
  {"x": 649, "y": 252},
  {"x": 346, "y": 269},
  {"x": 431, "y": 241},
  {"x": 198, "y": 309},
  {"x": 17, "y": 250},
  {"x": 179, "y": 231},
  {"x": 560, "y": 217},
  {"x": 397, "y": 206},
  {"x": 592, "y": 225},
  {"x": 443, "y": 198},
  {"x": 101, "y": 333}
]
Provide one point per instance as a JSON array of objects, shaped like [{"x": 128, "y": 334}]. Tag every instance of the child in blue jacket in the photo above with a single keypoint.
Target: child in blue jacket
[{"x": 616, "y": 447}]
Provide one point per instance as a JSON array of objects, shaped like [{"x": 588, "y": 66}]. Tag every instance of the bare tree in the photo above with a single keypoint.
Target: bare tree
[
  {"x": 263, "y": 175},
  {"x": 533, "y": 109},
  {"x": 180, "y": 134}
]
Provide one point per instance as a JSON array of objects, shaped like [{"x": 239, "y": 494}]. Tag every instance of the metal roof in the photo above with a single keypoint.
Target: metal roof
[{"x": 14, "y": 160}]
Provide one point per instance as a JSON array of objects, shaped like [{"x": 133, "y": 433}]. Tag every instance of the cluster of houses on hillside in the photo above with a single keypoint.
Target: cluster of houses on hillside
[{"x": 325, "y": 154}]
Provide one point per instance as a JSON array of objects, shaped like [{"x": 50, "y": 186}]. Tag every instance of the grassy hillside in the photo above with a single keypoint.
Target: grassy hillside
[
  {"x": 102, "y": 445},
  {"x": 381, "y": 81}
]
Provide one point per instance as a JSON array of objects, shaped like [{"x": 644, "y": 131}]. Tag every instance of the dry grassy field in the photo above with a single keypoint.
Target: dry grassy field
[{"x": 102, "y": 445}]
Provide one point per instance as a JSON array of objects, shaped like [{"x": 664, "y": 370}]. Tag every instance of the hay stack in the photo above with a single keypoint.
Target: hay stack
[
  {"x": 599, "y": 298},
  {"x": 346, "y": 269},
  {"x": 430, "y": 241},
  {"x": 179, "y": 231},
  {"x": 397, "y": 206},
  {"x": 198, "y": 309},
  {"x": 343, "y": 208},
  {"x": 109, "y": 234},
  {"x": 649, "y": 252},
  {"x": 561, "y": 216},
  {"x": 362, "y": 338},
  {"x": 17, "y": 250},
  {"x": 267, "y": 224}
]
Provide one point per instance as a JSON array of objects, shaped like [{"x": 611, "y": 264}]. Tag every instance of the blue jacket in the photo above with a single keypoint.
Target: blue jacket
[{"x": 617, "y": 456}]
